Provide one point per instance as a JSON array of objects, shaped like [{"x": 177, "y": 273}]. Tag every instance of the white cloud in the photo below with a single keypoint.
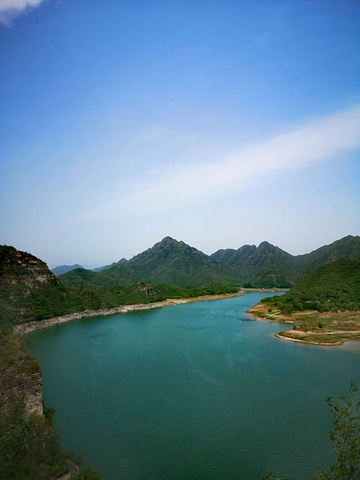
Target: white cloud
[
  {"x": 323, "y": 139},
  {"x": 10, "y": 9}
]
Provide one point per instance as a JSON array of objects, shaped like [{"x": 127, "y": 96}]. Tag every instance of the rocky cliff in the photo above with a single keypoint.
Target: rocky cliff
[
  {"x": 20, "y": 377},
  {"x": 17, "y": 267}
]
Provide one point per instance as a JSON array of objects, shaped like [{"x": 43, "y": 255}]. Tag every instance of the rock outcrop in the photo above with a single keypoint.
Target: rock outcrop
[{"x": 17, "y": 267}]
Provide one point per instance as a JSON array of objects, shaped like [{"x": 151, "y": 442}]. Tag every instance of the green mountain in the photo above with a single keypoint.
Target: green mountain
[
  {"x": 83, "y": 278},
  {"x": 61, "y": 269},
  {"x": 262, "y": 266},
  {"x": 267, "y": 265},
  {"x": 168, "y": 262},
  {"x": 174, "y": 263},
  {"x": 347, "y": 247},
  {"x": 331, "y": 287}
]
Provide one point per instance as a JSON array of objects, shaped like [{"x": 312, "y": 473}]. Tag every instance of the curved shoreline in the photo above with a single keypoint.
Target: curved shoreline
[
  {"x": 323, "y": 344},
  {"x": 28, "y": 327},
  {"x": 338, "y": 343}
]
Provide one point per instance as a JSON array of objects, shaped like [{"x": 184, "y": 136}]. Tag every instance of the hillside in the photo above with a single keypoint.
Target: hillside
[
  {"x": 83, "y": 278},
  {"x": 268, "y": 265},
  {"x": 262, "y": 266},
  {"x": 331, "y": 287},
  {"x": 175, "y": 263},
  {"x": 168, "y": 262},
  {"x": 347, "y": 247},
  {"x": 324, "y": 306}
]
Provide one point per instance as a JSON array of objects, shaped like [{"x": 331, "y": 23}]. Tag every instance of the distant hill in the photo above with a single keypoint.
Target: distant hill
[
  {"x": 61, "y": 269},
  {"x": 347, "y": 247},
  {"x": 169, "y": 262},
  {"x": 267, "y": 265},
  {"x": 83, "y": 278},
  {"x": 330, "y": 287},
  {"x": 262, "y": 266},
  {"x": 173, "y": 262},
  {"x": 104, "y": 267}
]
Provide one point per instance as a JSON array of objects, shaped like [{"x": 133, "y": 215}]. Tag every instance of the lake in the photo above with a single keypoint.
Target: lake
[{"x": 191, "y": 391}]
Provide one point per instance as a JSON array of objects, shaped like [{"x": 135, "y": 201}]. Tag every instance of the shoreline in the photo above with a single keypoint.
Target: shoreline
[
  {"x": 346, "y": 338},
  {"x": 318, "y": 344},
  {"x": 28, "y": 327}
]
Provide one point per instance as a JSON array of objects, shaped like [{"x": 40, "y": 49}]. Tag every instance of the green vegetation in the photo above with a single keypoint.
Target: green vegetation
[
  {"x": 83, "y": 278},
  {"x": 329, "y": 288},
  {"x": 269, "y": 266},
  {"x": 28, "y": 447},
  {"x": 168, "y": 262},
  {"x": 345, "y": 437},
  {"x": 324, "y": 306}
]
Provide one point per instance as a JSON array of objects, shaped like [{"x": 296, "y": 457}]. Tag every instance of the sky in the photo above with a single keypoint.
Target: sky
[{"x": 219, "y": 123}]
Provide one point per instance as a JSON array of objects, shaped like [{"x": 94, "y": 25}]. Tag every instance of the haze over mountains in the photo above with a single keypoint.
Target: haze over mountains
[
  {"x": 174, "y": 262},
  {"x": 61, "y": 269}
]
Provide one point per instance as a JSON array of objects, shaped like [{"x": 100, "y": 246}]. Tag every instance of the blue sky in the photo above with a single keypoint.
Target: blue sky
[{"x": 219, "y": 123}]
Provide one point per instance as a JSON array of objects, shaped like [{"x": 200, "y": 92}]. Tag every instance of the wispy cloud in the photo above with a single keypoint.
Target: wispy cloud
[
  {"x": 322, "y": 139},
  {"x": 10, "y": 9}
]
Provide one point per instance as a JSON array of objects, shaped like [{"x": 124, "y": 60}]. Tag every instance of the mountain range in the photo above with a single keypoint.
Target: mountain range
[{"x": 174, "y": 262}]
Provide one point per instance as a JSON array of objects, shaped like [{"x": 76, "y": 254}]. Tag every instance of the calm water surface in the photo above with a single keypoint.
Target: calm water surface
[{"x": 191, "y": 392}]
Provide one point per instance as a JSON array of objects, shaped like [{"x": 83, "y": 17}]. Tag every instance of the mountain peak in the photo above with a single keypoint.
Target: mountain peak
[
  {"x": 266, "y": 246},
  {"x": 168, "y": 241}
]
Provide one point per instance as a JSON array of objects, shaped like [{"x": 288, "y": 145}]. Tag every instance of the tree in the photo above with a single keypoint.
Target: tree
[{"x": 345, "y": 437}]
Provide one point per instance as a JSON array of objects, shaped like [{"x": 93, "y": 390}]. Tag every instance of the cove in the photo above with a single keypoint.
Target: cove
[{"x": 191, "y": 392}]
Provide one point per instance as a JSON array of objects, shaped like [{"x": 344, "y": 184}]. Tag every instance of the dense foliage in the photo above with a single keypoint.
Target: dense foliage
[
  {"x": 331, "y": 287},
  {"x": 29, "y": 448}
]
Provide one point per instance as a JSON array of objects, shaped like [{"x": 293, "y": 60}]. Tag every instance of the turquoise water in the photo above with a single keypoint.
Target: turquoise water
[{"x": 191, "y": 392}]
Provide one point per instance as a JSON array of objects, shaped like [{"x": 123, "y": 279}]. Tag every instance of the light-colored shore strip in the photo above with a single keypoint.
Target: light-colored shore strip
[
  {"x": 50, "y": 322},
  {"x": 339, "y": 343},
  {"x": 347, "y": 337},
  {"x": 321, "y": 344}
]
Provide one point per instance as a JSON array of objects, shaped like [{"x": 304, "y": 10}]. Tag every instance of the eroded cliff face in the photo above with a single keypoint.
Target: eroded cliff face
[
  {"x": 20, "y": 379},
  {"x": 20, "y": 376},
  {"x": 28, "y": 389},
  {"x": 18, "y": 267}
]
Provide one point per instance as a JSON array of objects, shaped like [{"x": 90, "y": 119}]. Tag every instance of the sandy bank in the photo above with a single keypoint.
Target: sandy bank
[
  {"x": 311, "y": 342},
  {"x": 50, "y": 322},
  {"x": 311, "y": 319}
]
